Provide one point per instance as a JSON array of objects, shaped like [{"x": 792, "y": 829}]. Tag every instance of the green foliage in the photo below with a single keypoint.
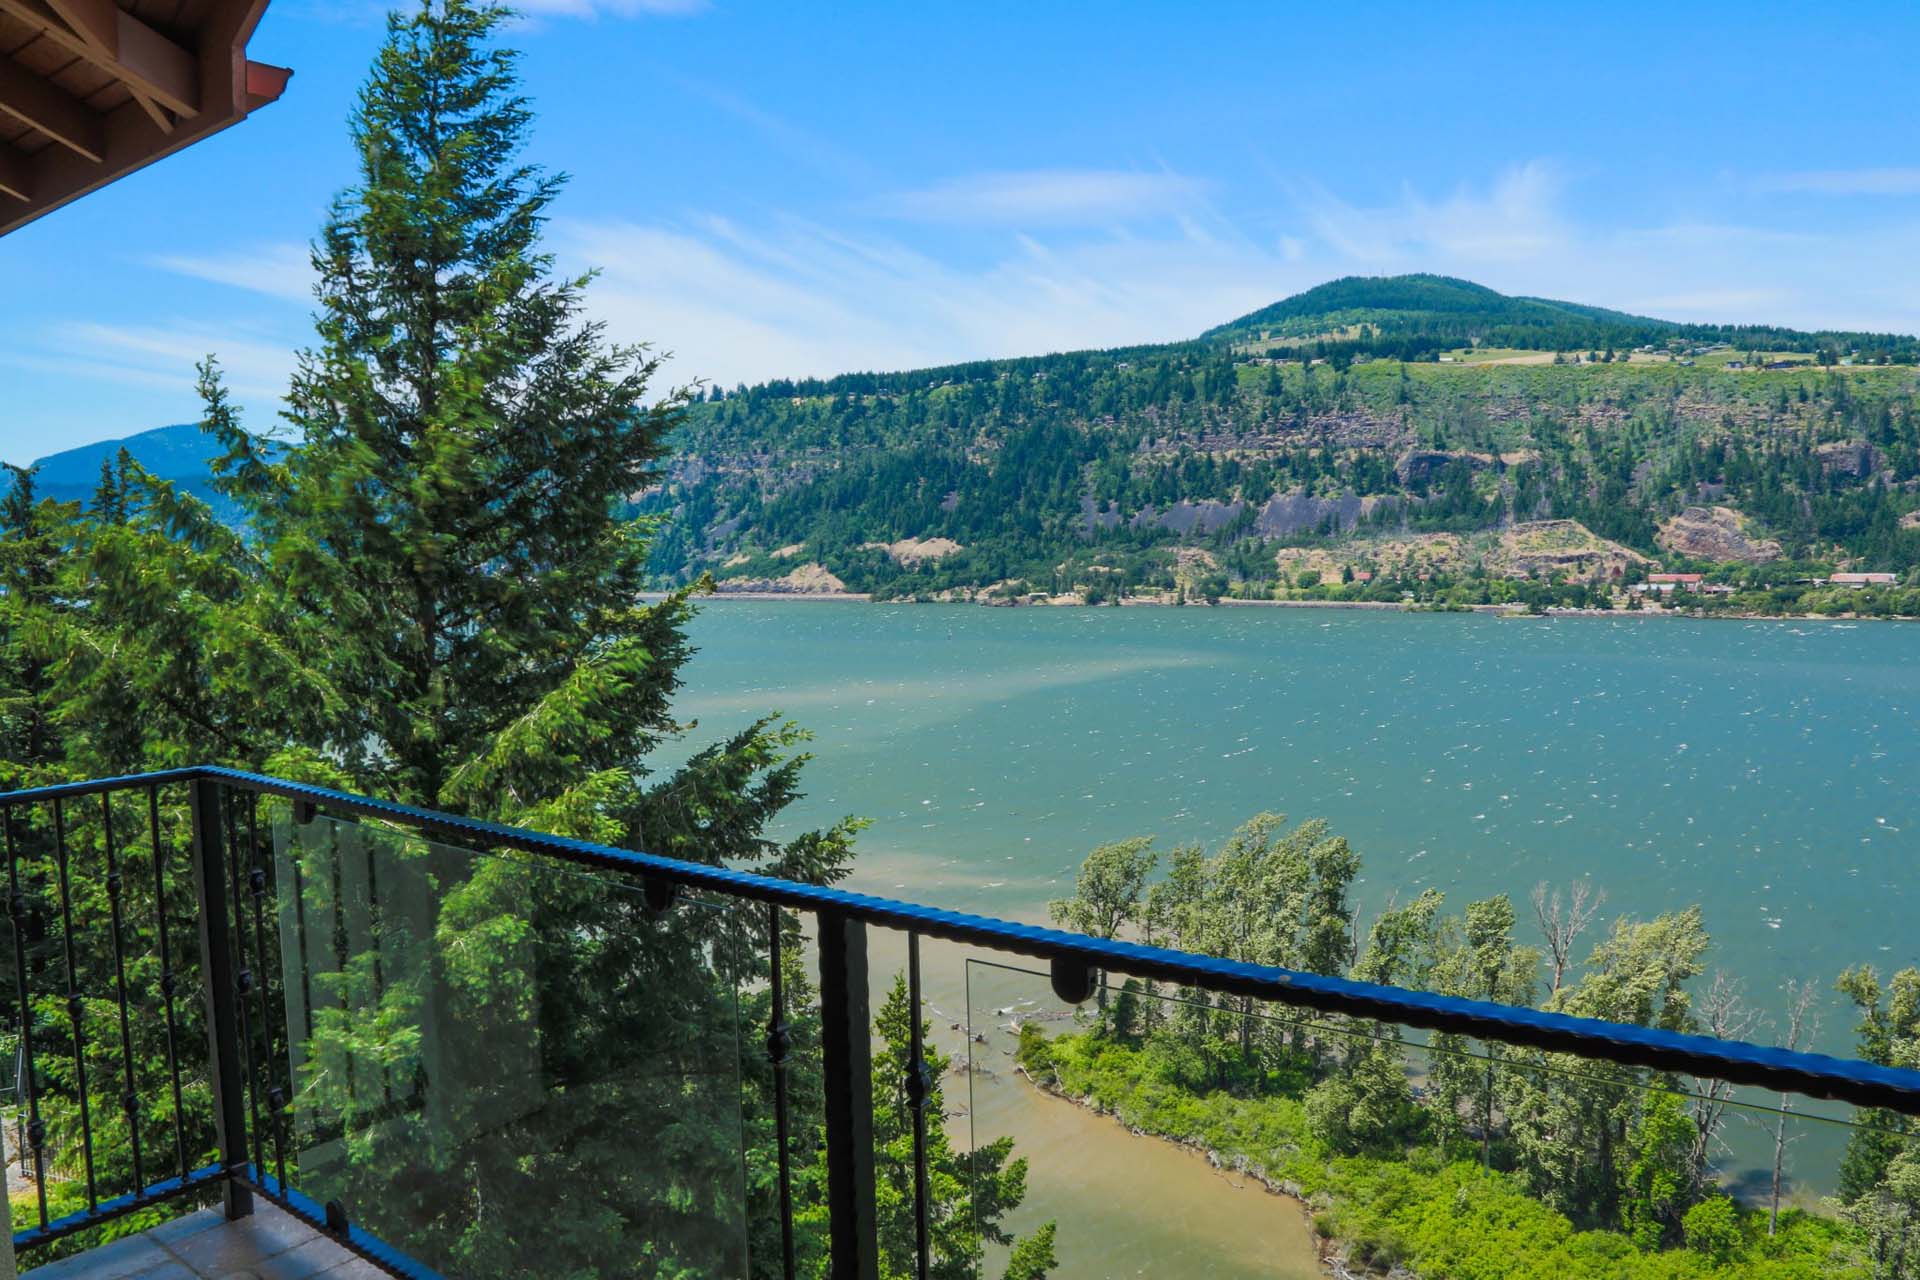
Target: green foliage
[
  {"x": 1503, "y": 1163},
  {"x": 967, "y": 1194},
  {"x": 1888, "y": 1215},
  {"x": 1888, "y": 1034},
  {"x": 1033, "y": 1255},
  {"x": 1712, "y": 1229},
  {"x": 1656, "y": 1182},
  {"x": 436, "y": 599}
]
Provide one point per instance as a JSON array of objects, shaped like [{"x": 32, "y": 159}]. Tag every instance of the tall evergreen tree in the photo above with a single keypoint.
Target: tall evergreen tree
[{"x": 437, "y": 598}]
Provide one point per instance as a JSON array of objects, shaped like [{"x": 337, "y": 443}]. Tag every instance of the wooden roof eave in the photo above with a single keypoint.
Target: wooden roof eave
[{"x": 91, "y": 92}]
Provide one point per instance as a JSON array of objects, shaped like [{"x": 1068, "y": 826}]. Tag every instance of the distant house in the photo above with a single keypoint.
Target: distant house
[
  {"x": 1668, "y": 581},
  {"x": 1363, "y": 575},
  {"x": 1857, "y": 580}
]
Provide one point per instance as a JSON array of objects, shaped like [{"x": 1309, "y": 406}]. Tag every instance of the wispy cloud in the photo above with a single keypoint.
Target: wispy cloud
[
  {"x": 1516, "y": 219},
  {"x": 1047, "y": 197},
  {"x": 1845, "y": 182},
  {"x": 739, "y": 300},
  {"x": 162, "y": 357},
  {"x": 796, "y": 142},
  {"x": 277, "y": 270},
  {"x": 785, "y": 297},
  {"x": 793, "y": 299},
  {"x": 609, "y": 8}
]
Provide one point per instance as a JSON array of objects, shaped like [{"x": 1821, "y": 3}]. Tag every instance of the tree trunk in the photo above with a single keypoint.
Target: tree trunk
[{"x": 1779, "y": 1160}]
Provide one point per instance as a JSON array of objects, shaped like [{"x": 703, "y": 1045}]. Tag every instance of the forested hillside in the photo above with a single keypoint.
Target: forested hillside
[{"x": 1245, "y": 462}]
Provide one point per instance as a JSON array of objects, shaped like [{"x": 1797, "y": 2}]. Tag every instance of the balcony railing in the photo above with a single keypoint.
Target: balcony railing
[{"x": 463, "y": 1048}]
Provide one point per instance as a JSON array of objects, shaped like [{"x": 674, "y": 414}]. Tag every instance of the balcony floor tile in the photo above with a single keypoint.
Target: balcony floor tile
[{"x": 269, "y": 1245}]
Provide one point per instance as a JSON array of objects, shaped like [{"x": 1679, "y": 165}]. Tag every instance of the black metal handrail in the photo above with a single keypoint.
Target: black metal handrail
[{"x": 1075, "y": 961}]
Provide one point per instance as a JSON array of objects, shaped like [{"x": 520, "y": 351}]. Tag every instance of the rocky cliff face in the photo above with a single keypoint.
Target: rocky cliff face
[
  {"x": 1542, "y": 548},
  {"x": 1715, "y": 533},
  {"x": 1847, "y": 458}
]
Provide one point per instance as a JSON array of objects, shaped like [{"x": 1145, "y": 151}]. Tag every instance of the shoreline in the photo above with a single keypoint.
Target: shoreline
[
  {"x": 1231, "y": 602},
  {"x": 1326, "y": 1248}
]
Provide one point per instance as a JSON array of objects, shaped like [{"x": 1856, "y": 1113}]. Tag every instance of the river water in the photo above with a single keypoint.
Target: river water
[{"x": 1764, "y": 770}]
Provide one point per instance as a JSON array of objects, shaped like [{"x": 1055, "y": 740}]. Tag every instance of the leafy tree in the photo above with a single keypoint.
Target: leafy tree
[
  {"x": 1479, "y": 960},
  {"x": 1657, "y": 1181},
  {"x": 1888, "y": 1034},
  {"x": 1712, "y": 1229},
  {"x": 1888, "y": 1216},
  {"x": 1109, "y": 892},
  {"x": 1033, "y": 1257},
  {"x": 1573, "y": 1123}
]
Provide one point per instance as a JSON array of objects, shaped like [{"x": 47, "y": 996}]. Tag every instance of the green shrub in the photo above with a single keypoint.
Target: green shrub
[{"x": 1712, "y": 1229}]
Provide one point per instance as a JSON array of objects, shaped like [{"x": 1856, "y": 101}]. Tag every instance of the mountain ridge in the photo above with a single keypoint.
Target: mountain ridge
[{"x": 1393, "y": 410}]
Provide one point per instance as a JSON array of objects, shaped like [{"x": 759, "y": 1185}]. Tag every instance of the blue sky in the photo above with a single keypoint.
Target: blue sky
[{"x": 779, "y": 189}]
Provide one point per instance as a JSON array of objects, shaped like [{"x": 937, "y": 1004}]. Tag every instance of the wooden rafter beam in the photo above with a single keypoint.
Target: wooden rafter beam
[
  {"x": 16, "y": 175},
  {"x": 98, "y": 23},
  {"x": 59, "y": 115},
  {"x": 148, "y": 63}
]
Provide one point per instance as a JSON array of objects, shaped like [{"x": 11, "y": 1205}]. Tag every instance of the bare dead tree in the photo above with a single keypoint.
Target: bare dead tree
[
  {"x": 1724, "y": 1015},
  {"x": 1562, "y": 921},
  {"x": 1803, "y": 1023}
]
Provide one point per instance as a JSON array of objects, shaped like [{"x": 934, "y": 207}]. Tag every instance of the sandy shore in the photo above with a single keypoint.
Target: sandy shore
[
  {"x": 1227, "y": 602},
  {"x": 802, "y": 597}
]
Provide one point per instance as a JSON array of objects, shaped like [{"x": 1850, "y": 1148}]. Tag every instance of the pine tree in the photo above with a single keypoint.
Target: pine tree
[
  {"x": 967, "y": 1195},
  {"x": 435, "y": 596},
  {"x": 29, "y": 561}
]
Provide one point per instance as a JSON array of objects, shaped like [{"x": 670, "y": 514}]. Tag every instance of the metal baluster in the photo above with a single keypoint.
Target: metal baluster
[
  {"x": 74, "y": 1006},
  {"x": 779, "y": 1043},
  {"x": 846, "y": 1055},
  {"x": 257, "y": 884},
  {"x": 168, "y": 982},
  {"x": 918, "y": 1085},
  {"x": 216, "y": 959},
  {"x": 36, "y": 1128},
  {"x": 131, "y": 1101},
  {"x": 243, "y": 983}
]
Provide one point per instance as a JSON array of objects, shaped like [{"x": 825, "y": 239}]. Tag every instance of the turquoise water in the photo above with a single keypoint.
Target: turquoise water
[{"x": 1764, "y": 770}]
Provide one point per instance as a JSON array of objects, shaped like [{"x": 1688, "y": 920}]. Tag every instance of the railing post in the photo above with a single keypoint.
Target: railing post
[
  {"x": 222, "y": 993},
  {"x": 847, "y": 1056}
]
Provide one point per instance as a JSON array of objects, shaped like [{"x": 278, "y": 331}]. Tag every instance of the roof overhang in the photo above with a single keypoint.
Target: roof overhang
[{"x": 91, "y": 90}]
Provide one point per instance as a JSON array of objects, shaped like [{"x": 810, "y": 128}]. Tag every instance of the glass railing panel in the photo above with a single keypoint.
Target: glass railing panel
[
  {"x": 1172, "y": 1133},
  {"x": 504, "y": 1066}
]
